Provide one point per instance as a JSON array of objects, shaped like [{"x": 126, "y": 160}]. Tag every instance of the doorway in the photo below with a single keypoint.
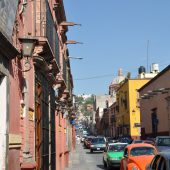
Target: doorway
[{"x": 4, "y": 120}]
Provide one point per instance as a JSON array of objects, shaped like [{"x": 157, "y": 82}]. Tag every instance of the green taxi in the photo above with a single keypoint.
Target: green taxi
[{"x": 113, "y": 154}]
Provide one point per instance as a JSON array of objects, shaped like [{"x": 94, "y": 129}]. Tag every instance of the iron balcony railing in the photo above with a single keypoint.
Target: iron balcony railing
[
  {"x": 51, "y": 32},
  {"x": 47, "y": 27}
]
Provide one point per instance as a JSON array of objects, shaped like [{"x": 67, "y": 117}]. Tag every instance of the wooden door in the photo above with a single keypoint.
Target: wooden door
[{"x": 38, "y": 116}]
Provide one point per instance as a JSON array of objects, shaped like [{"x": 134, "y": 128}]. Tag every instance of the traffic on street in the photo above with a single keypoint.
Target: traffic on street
[
  {"x": 108, "y": 153},
  {"x": 83, "y": 159}
]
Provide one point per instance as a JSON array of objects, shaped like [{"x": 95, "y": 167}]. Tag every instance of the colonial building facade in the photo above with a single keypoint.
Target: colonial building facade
[
  {"x": 128, "y": 113},
  {"x": 155, "y": 105},
  {"x": 36, "y": 110}
]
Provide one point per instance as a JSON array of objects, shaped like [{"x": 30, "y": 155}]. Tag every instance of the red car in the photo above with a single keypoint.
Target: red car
[{"x": 137, "y": 156}]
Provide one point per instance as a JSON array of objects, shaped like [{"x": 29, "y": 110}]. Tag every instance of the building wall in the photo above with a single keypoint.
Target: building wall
[
  {"x": 122, "y": 115},
  {"x": 129, "y": 113},
  {"x": 134, "y": 110},
  {"x": 15, "y": 109},
  {"x": 158, "y": 101},
  {"x": 19, "y": 120},
  {"x": 3, "y": 122}
]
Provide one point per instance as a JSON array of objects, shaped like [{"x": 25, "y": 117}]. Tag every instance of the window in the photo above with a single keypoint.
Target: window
[
  {"x": 138, "y": 151},
  {"x": 126, "y": 153},
  {"x": 164, "y": 142},
  {"x": 117, "y": 148},
  {"x": 154, "y": 121}
]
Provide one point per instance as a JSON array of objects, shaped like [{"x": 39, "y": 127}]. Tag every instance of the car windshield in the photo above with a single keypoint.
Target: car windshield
[
  {"x": 164, "y": 142},
  {"x": 138, "y": 151},
  {"x": 137, "y": 141},
  {"x": 98, "y": 140},
  {"x": 89, "y": 139},
  {"x": 117, "y": 148}
]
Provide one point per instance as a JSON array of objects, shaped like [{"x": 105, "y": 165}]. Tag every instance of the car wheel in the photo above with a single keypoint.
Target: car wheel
[
  {"x": 91, "y": 150},
  {"x": 108, "y": 167},
  {"x": 104, "y": 163}
]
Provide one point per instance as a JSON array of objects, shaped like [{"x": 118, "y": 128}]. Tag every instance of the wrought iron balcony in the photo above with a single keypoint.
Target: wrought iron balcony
[{"x": 46, "y": 28}]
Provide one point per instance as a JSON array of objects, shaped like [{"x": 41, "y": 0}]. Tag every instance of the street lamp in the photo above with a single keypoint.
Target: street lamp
[
  {"x": 78, "y": 58},
  {"x": 65, "y": 23},
  {"x": 73, "y": 42},
  {"x": 28, "y": 45}
]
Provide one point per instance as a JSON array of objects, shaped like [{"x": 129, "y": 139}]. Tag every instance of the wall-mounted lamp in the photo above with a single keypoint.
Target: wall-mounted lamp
[
  {"x": 151, "y": 93},
  {"x": 28, "y": 45},
  {"x": 159, "y": 90},
  {"x": 78, "y": 58},
  {"x": 155, "y": 92},
  {"x": 145, "y": 96},
  {"x": 73, "y": 42}
]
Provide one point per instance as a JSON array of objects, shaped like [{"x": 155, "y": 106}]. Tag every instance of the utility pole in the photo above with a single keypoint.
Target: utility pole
[{"x": 147, "y": 56}]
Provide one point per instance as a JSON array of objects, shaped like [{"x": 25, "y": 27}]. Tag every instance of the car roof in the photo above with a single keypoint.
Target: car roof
[
  {"x": 118, "y": 143},
  {"x": 163, "y": 137},
  {"x": 134, "y": 145},
  {"x": 137, "y": 140}
]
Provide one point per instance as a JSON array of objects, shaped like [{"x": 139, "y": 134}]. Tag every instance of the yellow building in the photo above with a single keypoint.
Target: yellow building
[{"x": 128, "y": 112}]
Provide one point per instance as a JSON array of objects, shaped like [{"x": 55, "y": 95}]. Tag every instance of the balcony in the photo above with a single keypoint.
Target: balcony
[{"x": 46, "y": 32}]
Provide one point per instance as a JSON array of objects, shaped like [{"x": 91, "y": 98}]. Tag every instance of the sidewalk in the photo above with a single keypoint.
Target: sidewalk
[
  {"x": 82, "y": 159},
  {"x": 74, "y": 161}
]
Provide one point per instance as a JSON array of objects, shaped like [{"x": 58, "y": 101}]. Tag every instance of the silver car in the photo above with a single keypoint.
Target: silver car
[
  {"x": 162, "y": 143},
  {"x": 161, "y": 161}
]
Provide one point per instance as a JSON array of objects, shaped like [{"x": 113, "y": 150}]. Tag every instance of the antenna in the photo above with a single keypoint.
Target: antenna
[{"x": 147, "y": 56}]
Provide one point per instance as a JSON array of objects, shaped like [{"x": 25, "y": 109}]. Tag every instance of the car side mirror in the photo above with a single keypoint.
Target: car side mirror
[
  {"x": 126, "y": 155},
  {"x": 148, "y": 166}
]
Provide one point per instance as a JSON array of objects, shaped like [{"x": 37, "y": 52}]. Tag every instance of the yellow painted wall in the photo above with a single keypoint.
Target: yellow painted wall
[
  {"x": 134, "y": 110},
  {"x": 131, "y": 114},
  {"x": 122, "y": 117}
]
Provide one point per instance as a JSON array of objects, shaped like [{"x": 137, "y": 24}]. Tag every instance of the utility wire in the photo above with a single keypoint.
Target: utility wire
[{"x": 95, "y": 77}]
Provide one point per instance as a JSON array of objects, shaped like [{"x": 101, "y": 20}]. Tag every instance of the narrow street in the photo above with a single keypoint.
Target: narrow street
[{"x": 82, "y": 159}]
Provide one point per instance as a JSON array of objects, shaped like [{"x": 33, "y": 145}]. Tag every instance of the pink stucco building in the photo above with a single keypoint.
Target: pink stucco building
[{"x": 155, "y": 105}]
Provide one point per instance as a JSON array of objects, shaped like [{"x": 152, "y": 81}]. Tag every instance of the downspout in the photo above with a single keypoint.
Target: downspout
[{"x": 49, "y": 113}]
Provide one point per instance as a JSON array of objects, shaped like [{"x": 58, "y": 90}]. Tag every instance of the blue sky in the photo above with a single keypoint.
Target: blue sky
[{"x": 115, "y": 35}]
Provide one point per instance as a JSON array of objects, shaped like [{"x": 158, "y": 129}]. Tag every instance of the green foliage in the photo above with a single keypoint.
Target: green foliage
[
  {"x": 79, "y": 100},
  {"x": 83, "y": 105}
]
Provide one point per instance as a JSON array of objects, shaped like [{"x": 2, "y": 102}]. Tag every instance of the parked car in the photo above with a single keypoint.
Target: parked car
[
  {"x": 162, "y": 143},
  {"x": 110, "y": 140},
  {"x": 137, "y": 156},
  {"x": 161, "y": 161},
  {"x": 87, "y": 141},
  {"x": 82, "y": 138},
  {"x": 149, "y": 142},
  {"x": 113, "y": 154},
  {"x": 137, "y": 141},
  {"x": 97, "y": 144},
  {"x": 125, "y": 139}
]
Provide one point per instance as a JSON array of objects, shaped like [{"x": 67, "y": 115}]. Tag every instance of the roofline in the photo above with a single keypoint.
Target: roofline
[
  {"x": 126, "y": 80},
  {"x": 139, "y": 145},
  {"x": 156, "y": 77}
]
